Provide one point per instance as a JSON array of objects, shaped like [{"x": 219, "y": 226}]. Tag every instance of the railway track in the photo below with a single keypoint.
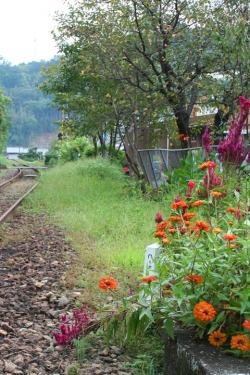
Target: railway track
[{"x": 15, "y": 185}]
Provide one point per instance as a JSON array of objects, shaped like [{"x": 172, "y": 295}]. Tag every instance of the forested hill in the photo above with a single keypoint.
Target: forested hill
[{"x": 32, "y": 117}]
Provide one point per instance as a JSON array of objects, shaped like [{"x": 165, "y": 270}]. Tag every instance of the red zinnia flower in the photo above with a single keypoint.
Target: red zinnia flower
[
  {"x": 180, "y": 204},
  {"x": 204, "y": 311},
  {"x": 160, "y": 234},
  {"x": 175, "y": 218},
  {"x": 229, "y": 237},
  {"x": 202, "y": 225},
  {"x": 188, "y": 215},
  {"x": 194, "y": 278},
  {"x": 148, "y": 279},
  {"x": 234, "y": 210},
  {"x": 108, "y": 283},
  {"x": 246, "y": 324}
]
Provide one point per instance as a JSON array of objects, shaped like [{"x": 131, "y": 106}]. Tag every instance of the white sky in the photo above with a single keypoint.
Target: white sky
[{"x": 25, "y": 27}]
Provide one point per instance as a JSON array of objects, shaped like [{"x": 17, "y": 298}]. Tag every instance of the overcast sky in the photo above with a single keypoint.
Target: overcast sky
[{"x": 25, "y": 27}]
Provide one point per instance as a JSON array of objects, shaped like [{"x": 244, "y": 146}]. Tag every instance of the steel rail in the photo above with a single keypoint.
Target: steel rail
[
  {"x": 9, "y": 213},
  {"x": 12, "y": 179}
]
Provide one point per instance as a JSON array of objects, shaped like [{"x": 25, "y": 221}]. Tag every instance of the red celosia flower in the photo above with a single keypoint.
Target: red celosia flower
[
  {"x": 180, "y": 204},
  {"x": 197, "y": 203},
  {"x": 202, "y": 225},
  {"x": 217, "y": 338},
  {"x": 204, "y": 311},
  {"x": 246, "y": 324},
  {"x": 160, "y": 234},
  {"x": 194, "y": 278},
  {"x": 188, "y": 215},
  {"x": 207, "y": 164},
  {"x": 191, "y": 184},
  {"x": 229, "y": 237},
  {"x": 148, "y": 279},
  {"x": 158, "y": 217},
  {"x": 108, "y": 283},
  {"x": 176, "y": 218},
  {"x": 216, "y": 193},
  {"x": 240, "y": 342}
]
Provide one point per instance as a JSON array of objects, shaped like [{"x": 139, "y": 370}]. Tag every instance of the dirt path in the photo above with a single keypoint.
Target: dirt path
[{"x": 34, "y": 258}]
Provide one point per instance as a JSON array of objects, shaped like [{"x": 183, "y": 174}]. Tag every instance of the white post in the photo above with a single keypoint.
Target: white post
[{"x": 151, "y": 252}]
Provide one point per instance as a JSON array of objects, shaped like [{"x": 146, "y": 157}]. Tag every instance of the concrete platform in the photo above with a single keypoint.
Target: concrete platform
[{"x": 184, "y": 356}]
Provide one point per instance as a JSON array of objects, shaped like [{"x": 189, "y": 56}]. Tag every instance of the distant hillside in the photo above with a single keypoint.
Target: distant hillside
[{"x": 32, "y": 118}]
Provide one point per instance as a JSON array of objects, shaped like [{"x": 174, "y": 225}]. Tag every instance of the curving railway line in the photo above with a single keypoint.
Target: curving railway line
[{"x": 15, "y": 184}]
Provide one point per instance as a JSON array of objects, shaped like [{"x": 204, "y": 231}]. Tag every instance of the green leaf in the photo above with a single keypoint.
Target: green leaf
[{"x": 169, "y": 326}]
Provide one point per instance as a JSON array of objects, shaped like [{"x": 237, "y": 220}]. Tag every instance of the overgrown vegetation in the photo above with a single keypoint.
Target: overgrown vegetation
[{"x": 109, "y": 227}]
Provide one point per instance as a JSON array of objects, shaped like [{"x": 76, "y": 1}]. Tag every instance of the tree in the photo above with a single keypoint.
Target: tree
[{"x": 5, "y": 102}]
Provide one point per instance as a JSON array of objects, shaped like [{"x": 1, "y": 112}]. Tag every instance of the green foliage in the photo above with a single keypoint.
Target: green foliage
[
  {"x": 31, "y": 155},
  {"x": 201, "y": 275},
  {"x": 5, "y": 102},
  {"x": 65, "y": 150},
  {"x": 31, "y": 114},
  {"x": 100, "y": 168}
]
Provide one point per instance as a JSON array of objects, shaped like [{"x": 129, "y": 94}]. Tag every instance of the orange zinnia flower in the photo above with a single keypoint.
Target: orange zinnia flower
[
  {"x": 197, "y": 203},
  {"x": 180, "y": 204},
  {"x": 175, "y": 218},
  {"x": 232, "y": 246},
  {"x": 181, "y": 135},
  {"x": 186, "y": 138},
  {"x": 188, "y": 215},
  {"x": 207, "y": 164},
  {"x": 161, "y": 226},
  {"x": 216, "y": 193},
  {"x": 202, "y": 225},
  {"x": 172, "y": 230},
  {"x": 229, "y": 237},
  {"x": 165, "y": 240},
  {"x": 204, "y": 311},
  {"x": 246, "y": 324},
  {"x": 216, "y": 230},
  {"x": 240, "y": 342},
  {"x": 194, "y": 278},
  {"x": 230, "y": 222},
  {"x": 160, "y": 234},
  {"x": 148, "y": 279},
  {"x": 108, "y": 283},
  {"x": 217, "y": 338}
]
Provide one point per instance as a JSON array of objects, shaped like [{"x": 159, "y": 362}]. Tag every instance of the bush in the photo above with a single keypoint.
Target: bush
[{"x": 101, "y": 168}]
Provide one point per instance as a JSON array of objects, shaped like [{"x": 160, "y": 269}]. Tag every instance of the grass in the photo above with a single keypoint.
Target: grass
[{"x": 109, "y": 229}]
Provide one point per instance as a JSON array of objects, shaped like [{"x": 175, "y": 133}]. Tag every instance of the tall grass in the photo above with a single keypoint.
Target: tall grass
[{"x": 110, "y": 230}]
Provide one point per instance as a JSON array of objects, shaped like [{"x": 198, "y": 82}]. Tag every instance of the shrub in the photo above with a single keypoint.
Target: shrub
[{"x": 100, "y": 168}]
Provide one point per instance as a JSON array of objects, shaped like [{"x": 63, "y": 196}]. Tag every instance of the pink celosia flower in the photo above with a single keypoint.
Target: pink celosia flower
[
  {"x": 232, "y": 149},
  {"x": 206, "y": 142}
]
